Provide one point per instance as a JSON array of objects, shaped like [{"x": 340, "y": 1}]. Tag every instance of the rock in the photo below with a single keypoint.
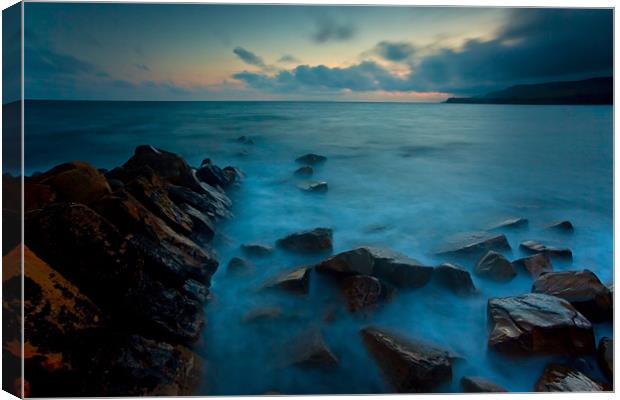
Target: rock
[
  {"x": 511, "y": 223},
  {"x": 364, "y": 292},
  {"x": 245, "y": 139},
  {"x": 562, "y": 226},
  {"x": 261, "y": 314},
  {"x": 454, "y": 278},
  {"x": 309, "y": 241},
  {"x": 538, "y": 324},
  {"x": 311, "y": 159},
  {"x": 211, "y": 174},
  {"x": 310, "y": 350},
  {"x": 304, "y": 171},
  {"x": 232, "y": 174},
  {"x": 532, "y": 246},
  {"x": 315, "y": 187},
  {"x": 238, "y": 266},
  {"x": 75, "y": 181},
  {"x": 409, "y": 365},
  {"x": 535, "y": 265},
  {"x": 474, "y": 244},
  {"x": 496, "y": 267},
  {"x": 560, "y": 378},
  {"x": 294, "y": 280},
  {"x": 115, "y": 184},
  {"x": 476, "y": 384},
  {"x": 256, "y": 249},
  {"x": 212, "y": 202},
  {"x": 605, "y": 357},
  {"x": 37, "y": 196},
  {"x": 582, "y": 289},
  {"x": 385, "y": 264},
  {"x": 196, "y": 290}
]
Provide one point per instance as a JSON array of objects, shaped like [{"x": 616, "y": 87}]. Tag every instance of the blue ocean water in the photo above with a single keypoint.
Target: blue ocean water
[{"x": 406, "y": 176}]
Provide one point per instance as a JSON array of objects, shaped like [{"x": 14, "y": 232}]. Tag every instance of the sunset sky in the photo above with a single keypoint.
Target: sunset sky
[{"x": 229, "y": 52}]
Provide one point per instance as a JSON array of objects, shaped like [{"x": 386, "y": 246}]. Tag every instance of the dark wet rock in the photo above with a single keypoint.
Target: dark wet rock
[
  {"x": 309, "y": 350},
  {"x": 538, "y": 324},
  {"x": 239, "y": 266},
  {"x": 511, "y": 223},
  {"x": 364, "y": 292},
  {"x": 304, "y": 171},
  {"x": 262, "y": 314},
  {"x": 211, "y": 174},
  {"x": 309, "y": 241},
  {"x": 213, "y": 202},
  {"x": 75, "y": 181},
  {"x": 410, "y": 366},
  {"x": 496, "y": 267},
  {"x": 535, "y": 265},
  {"x": 245, "y": 139},
  {"x": 582, "y": 289},
  {"x": 533, "y": 246},
  {"x": 115, "y": 184},
  {"x": 385, "y": 264},
  {"x": 476, "y": 384},
  {"x": 311, "y": 159},
  {"x": 562, "y": 226},
  {"x": 36, "y": 195},
  {"x": 232, "y": 174},
  {"x": 315, "y": 187},
  {"x": 560, "y": 378},
  {"x": 196, "y": 290},
  {"x": 294, "y": 280},
  {"x": 454, "y": 278},
  {"x": 256, "y": 249},
  {"x": 474, "y": 244},
  {"x": 605, "y": 357}
]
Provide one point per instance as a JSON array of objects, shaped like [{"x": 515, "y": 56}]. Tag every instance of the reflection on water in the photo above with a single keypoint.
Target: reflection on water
[{"x": 406, "y": 176}]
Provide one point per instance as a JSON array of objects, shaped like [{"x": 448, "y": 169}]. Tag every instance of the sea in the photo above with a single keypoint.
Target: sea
[{"x": 406, "y": 176}]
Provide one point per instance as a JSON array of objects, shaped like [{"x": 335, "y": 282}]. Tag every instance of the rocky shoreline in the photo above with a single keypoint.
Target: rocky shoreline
[{"x": 118, "y": 269}]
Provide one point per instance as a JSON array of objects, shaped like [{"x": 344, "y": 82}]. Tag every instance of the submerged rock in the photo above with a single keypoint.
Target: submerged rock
[
  {"x": 256, "y": 249},
  {"x": 535, "y": 265},
  {"x": 582, "y": 289},
  {"x": 261, "y": 314},
  {"x": 311, "y": 159},
  {"x": 410, "y": 366},
  {"x": 315, "y": 187},
  {"x": 605, "y": 357},
  {"x": 562, "y": 226},
  {"x": 533, "y": 246},
  {"x": 511, "y": 223},
  {"x": 495, "y": 266},
  {"x": 364, "y": 292},
  {"x": 295, "y": 280},
  {"x": 239, "y": 266},
  {"x": 476, "y": 384},
  {"x": 538, "y": 324},
  {"x": 455, "y": 278},
  {"x": 310, "y": 350},
  {"x": 560, "y": 378},
  {"x": 309, "y": 241},
  {"x": 474, "y": 244},
  {"x": 304, "y": 171}
]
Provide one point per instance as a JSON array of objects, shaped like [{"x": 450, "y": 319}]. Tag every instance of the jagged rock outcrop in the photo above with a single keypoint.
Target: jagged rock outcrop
[{"x": 560, "y": 378}]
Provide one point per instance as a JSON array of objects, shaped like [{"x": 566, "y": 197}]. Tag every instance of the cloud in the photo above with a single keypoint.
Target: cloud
[
  {"x": 248, "y": 57},
  {"x": 328, "y": 29},
  {"x": 395, "y": 51},
  {"x": 287, "y": 58},
  {"x": 143, "y": 67}
]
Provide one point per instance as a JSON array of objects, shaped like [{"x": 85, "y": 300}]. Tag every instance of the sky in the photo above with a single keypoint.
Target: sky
[{"x": 244, "y": 52}]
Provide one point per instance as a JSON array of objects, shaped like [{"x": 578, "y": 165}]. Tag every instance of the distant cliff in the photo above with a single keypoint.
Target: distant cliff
[{"x": 589, "y": 91}]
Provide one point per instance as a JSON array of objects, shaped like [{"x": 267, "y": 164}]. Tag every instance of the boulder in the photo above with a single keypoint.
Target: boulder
[
  {"x": 304, "y": 171},
  {"x": 239, "y": 266},
  {"x": 532, "y": 246},
  {"x": 37, "y": 196},
  {"x": 562, "y": 226},
  {"x": 295, "y": 280},
  {"x": 473, "y": 244},
  {"x": 309, "y": 350},
  {"x": 211, "y": 174},
  {"x": 232, "y": 174},
  {"x": 496, "y": 267},
  {"x": 454, "y": 278},
  {"x": 213, "y": 201},
  {"x": 582, "y": 289},
  {"x": 314, "y": 187},
  {"x": 560, "y": 378},
  {"x": 511, "y": 223},
  {"x": 261, "y": 314},
  {"x": 76, "y": 182},
  {"x": 409, "y": 365},
  {"x": 476, "y": 384},
  {"x": 310, "y": 241},
  {"x": 538, "y": 324},
  {"x": 364, "y": 292},
  {"x": 256, "y": 249},
  {"x": 311, "y": 159},
  {"x": 535, "y": 265},
  {"x": 605, "y": 357}
]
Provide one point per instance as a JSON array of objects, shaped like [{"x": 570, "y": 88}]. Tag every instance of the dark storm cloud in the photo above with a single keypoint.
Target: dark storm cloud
[
  {"x": 248, "y": 57},
  {"x": 395, "y": 51},
  {"x": 328, "y": 29},
  {"x": 535, "y": 45}
]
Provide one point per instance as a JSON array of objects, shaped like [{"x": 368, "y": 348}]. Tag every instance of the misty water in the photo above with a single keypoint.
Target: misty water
[{"x": 404, "y": 176}]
